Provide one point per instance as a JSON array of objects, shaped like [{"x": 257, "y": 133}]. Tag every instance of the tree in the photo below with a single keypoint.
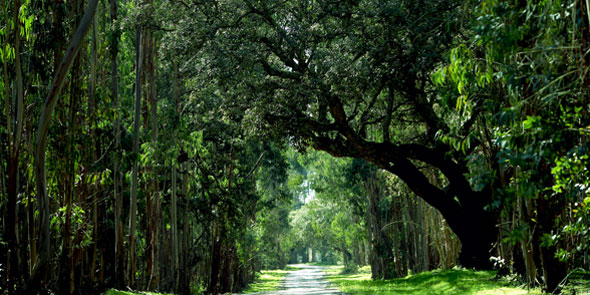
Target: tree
[
  {"x": 334, "y": 76},
  {"x": 131, "y": 265},
  {"x": 42, "y": 261},
  {"x": 514, "y": 74}
]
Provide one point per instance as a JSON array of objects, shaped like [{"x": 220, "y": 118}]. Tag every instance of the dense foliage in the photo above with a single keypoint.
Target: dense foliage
[{"x": 151, "y": 144}]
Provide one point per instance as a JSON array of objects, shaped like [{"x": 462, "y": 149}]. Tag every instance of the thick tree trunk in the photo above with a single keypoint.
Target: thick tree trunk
[
  {"x": 458, "y": 203},
  {"x": 463, "y": 209}
]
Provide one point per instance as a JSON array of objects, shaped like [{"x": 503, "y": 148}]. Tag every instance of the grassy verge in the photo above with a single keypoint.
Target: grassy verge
[
  {"x": 268, "y": 280},
  {"x": 447, "y": 282},
  {"x": 118, "y": 292}
]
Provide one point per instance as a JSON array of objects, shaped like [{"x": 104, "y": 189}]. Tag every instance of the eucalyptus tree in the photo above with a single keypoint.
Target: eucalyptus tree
[{"x": 41, "y": 267}]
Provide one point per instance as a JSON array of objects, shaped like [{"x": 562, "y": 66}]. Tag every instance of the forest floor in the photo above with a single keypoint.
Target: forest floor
[
  {"x": 437, "y": 282},
  {"x": 303, "y": 279}
]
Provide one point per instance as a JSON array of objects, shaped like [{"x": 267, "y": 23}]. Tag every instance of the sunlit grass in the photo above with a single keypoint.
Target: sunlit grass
[
  {"x": 443, "y": 282},
  {"x": 119, "y": 292},
  {"x": 268, "y": 280}
]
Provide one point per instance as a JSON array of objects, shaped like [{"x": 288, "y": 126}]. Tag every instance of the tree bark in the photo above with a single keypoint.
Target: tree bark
[
  {"x": 93, "y": 156},
  {"x": 11, "y": 232},
  {"x": 43, "y": 255},
  {"x": 462, "y": 207},
  {"x": 173, "y": 231},
  {"x": 215, "y": 261},
  {"x": 554, "y": 271},
  {"x": 384, "y": 267},
  {"x": 186, "y": 234},
  {"x": 114, "y": 52},
  {"x": 152, "y": 198},
  {"x": 131, "y": 265}
]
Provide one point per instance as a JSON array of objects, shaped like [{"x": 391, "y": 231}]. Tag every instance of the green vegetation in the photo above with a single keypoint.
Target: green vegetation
[
  {"x": 437, "y": 282},
  {"x": 182, "y": 146},
  {"x": 118, "y": 292},
  {"x": 268, "y": 280}
]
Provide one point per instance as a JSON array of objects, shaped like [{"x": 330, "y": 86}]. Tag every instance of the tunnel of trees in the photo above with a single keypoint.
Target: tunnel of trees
[{"x": 185, "y": 145}]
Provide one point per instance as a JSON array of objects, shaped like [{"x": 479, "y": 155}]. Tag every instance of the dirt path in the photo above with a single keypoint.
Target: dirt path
[{"x": 307, "y": 280}]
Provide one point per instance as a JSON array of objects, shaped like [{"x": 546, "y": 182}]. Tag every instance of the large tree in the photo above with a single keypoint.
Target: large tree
[{"x": 351, "y": 78}]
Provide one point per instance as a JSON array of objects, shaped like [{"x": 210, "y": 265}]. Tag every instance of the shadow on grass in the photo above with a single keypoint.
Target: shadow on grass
[
  {"x": 119, "y": 292},
  {"x": 447, "y": 282}
]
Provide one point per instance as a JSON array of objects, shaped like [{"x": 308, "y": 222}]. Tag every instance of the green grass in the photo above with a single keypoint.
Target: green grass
[
  {"x": 119, "y": 292},
  {"x": 268, "y": 280},
  {"x": 447, "y": 282}
]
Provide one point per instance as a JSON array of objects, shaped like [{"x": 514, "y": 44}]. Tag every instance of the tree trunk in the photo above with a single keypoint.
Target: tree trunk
[
  {"x": 186, "y": 233},
  {"x": 114, "y": 52},
  {"x": 131, "y": 265},
  {"x": 173, "y": 231},
  {"x": 215, "y": 261},
  {"x": 462, "y": 207},
  {"x": 43, "y": 255},
  {"x": 152, "y": 198},
  {"x": 226, "y": 272},
  {"x": 11, "y": 232},
  {"x": 474, "y": 226},
  {"x": 93, "y": 156},
  {"x": 66, "y": 275},
  {"x": 382, "y": 245},
  {"x": 554, "y": 271}
]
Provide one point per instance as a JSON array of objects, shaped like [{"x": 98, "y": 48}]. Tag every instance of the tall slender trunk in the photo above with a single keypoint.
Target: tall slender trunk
[
  {"x": 215, "y": 260},
  {"x": 173, "y": 205},
  {"x": 11, "y": 232},
  {"x": 43, "y": 255},
  {"x": 66, "y": 259},
  {"x": 184, "y": 277},
  {"x": 524, "y": 206},
  {"x": 173, "y": 231},
  {"x": 384, "y": 267},
  {"x": 131, "y": 265},
  {"x": 114, "y": 52},
  {"x": 91, "y": 111},
  {"x": 156, "y": 200},
  {"x": 154, "y": 197}
]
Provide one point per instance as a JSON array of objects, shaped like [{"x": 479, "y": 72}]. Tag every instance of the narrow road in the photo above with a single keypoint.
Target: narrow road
[{"x": 307, "y": 280}]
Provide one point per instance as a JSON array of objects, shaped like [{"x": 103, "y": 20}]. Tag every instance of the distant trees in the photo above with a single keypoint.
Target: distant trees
[{"x": 370, "y": 218}]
